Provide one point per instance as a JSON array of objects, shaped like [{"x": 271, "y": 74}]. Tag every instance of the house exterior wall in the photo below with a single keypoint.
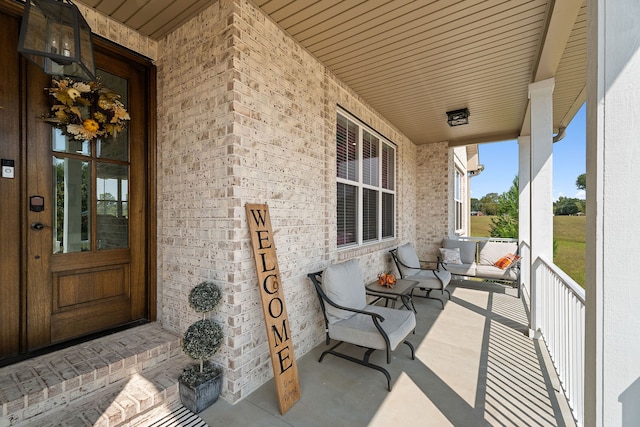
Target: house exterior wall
[
  {"x": 118, "y": 33},
  {"x": 435, "y": 206},
  {"x": 196, "y": 187},
  {"x": 246, "y": 115},
  {"x": 434, "y": 198}
]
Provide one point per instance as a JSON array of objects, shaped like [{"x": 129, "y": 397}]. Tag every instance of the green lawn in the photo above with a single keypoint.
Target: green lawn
[
  {"x": 480, "y": 226},
  {"x": 569, "y": 235}
]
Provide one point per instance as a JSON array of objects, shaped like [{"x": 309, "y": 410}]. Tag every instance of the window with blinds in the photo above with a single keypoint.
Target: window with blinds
[{"x": 365, "y": 175}]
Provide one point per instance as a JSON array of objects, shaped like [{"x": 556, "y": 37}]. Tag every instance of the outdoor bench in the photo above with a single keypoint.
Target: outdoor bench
[{"x": 487, "y": 259}]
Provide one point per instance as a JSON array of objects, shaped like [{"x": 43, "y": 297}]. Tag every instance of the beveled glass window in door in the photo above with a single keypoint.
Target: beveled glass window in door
[{"x": 91, "y": 188}]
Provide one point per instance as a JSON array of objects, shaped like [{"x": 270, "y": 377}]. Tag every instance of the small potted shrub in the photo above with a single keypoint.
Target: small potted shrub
[{"x": 200, "y": 384}]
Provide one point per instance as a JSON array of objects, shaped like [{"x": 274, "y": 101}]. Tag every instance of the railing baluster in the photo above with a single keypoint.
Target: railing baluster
[{"x": 562, "y": 328}]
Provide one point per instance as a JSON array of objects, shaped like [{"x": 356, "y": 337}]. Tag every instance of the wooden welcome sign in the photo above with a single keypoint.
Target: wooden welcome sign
[{"x": 283, "y": 361}]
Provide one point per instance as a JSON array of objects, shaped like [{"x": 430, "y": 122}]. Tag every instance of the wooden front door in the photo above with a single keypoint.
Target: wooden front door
[{"x": 76, "y": 214}]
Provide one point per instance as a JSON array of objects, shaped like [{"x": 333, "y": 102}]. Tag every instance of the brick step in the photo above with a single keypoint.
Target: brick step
[
  {"x": 137, "y": 400},
  {"x": 137, "y": 369}
]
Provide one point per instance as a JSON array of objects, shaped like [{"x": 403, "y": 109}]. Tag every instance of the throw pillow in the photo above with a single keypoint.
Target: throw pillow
[
  {"x": 450, "y": 256},
  {"x": 504, "y": 262}
]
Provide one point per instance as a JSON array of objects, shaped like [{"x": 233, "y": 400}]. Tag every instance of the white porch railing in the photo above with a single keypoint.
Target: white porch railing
[
  {"x": 561, "y": 321},
  {"x": 562, "y": 327},
  {"x": 484, "y": 239}
]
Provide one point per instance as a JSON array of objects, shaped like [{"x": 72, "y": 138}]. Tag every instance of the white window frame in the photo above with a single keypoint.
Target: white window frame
[
  {"x": 458, "y": 202},
  {"x": 361, "y": 186}
]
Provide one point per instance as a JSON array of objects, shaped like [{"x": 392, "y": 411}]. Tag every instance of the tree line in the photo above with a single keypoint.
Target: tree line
[
  {"x": 570, "y": 205},
  {"x": 505, "y": 208},
  {"x": 492, "y": 203}
]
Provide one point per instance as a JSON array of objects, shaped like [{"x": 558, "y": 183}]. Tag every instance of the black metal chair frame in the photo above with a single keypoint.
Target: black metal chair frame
[
  {"x": 375, "y": 317},
  {"x": 399, "y": 263}
]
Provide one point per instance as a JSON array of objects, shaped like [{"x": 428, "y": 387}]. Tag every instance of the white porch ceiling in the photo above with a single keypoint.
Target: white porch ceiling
[{"x": 415, "y": 60}]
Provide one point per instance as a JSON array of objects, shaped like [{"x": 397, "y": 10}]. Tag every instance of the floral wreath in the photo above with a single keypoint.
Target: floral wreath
[{"x": 86, "y": 110}]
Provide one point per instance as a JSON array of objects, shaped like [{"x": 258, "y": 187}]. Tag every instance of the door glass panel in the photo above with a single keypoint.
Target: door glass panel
[
  {"x": 69, "y": 145},
  {"x": 112, "y": 189},
  {"x": 115, "y": 148},
  {"x": 72, "y": 210},
  {"x": 89, "y": 219}
]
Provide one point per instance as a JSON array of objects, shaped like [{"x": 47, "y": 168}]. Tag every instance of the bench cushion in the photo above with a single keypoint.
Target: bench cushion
[
  {"x": 490, "y": 252},
  {"x": 491, "y": 272},
  {"x": 344, "y": 285},
  {"x": 467, "y": 249},
  {"x": 462, "y": 269}
]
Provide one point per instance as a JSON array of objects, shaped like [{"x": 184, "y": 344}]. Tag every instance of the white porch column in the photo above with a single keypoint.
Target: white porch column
[
  {"x": 612, "y": 348},
  {"x": 524, "y": 207},
  {"x": 541, "y": 100}
]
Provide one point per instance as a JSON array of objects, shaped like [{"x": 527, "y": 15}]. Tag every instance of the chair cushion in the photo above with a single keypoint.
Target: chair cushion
[
  {"x": 467, "y": 249},
  {"x": 431, "y": 279},
  {"x": 344, "y": 285},
  {"x": 407, "y": 255},
  {"x": 450, "y": 256},
  {"x": 360, "y": 329}
]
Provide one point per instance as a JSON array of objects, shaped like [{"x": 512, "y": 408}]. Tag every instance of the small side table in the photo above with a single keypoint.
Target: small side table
[{"x": 403, "y": 289}]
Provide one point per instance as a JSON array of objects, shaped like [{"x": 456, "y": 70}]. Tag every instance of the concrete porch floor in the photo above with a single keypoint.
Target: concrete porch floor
[{"x": 474, "y": 366}]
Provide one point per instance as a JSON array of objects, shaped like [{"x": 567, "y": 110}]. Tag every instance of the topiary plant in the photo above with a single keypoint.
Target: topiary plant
[{"x": 204, "y": 337}]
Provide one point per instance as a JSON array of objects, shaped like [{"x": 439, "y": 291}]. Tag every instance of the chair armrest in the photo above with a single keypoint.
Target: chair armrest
[
  {"x": 442, "y": 264},
  {"x": 514, "y": 265}
]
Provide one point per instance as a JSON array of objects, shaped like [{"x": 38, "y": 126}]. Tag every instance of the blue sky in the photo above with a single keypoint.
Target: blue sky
[{"x": 500, "y": 162}]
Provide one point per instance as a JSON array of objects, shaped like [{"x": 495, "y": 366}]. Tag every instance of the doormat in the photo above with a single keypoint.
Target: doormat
[{"x": 181, "y": 417}]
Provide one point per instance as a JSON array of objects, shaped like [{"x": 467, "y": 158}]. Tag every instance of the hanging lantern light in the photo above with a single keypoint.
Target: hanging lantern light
[{"x": 55, "y": 36}]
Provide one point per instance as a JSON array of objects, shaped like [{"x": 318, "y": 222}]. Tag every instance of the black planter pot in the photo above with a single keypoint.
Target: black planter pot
[{"x": 197, "y": 399}]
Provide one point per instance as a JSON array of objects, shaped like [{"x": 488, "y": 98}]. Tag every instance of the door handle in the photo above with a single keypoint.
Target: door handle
[{"x": 37, "y": 226}]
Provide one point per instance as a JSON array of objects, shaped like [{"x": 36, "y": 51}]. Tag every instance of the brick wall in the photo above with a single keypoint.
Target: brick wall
[
  {"x": 246, "y": 115},
  {"x": 118, "y": 33},
  {"x": 196, "y": 146},
  {"x": 435, "y": 209},
  {"x": 433, "y": 198}
]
